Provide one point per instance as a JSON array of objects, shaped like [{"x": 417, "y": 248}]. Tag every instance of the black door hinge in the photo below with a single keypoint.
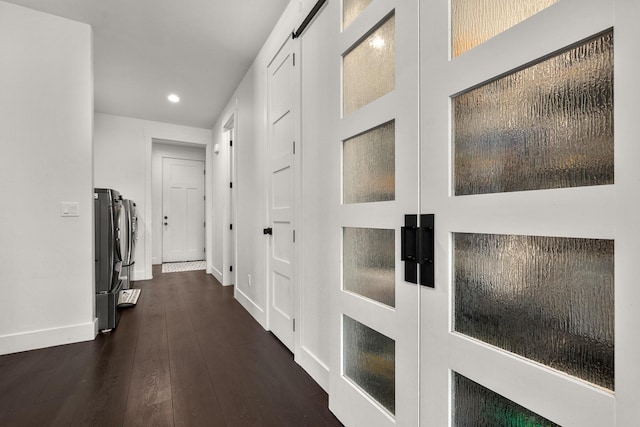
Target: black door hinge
[
  {"x": 231, "y": 268},
  {"x": 294, "y": 325},
  {"x": 231, "y": 185},
  {"x": 231, "y": 143},
  {"x": 230, "y": 226}
]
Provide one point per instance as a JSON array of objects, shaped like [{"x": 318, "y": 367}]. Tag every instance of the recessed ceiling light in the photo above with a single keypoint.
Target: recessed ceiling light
[{"x": 173, "y": 98}]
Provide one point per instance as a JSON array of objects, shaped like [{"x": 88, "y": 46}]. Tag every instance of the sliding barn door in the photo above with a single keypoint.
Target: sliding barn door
[
  {"x": 375, "y": 311},
  {"x": 530, "y": 321}
]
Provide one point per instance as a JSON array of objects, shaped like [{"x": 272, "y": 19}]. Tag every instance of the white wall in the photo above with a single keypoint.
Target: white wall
[
  {"x": 248, "y": 107},
  {"x": 160, "y": 151},
  {"x": 122, "y": 161},
  {"x": 46, "y": 109}
]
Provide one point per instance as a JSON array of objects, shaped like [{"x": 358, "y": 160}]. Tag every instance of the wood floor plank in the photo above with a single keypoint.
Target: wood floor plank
[
  {"x": 197, "y": 405},
  {"x": 188, "y": 354}
]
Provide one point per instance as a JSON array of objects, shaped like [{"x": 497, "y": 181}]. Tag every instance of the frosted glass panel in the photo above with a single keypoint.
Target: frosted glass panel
[
  {"x": 353, "y": 8},
  {"x": 477, "y": 406},
  {"x": 370, "y": 67},
  {"x": 547, "y": 126},
  {"x": 475, "y": 21},
  {"x": 370, "y": 361},
  {"x": 369, "y": 166},
  {"x": 369, "y": 264},
  {"x": 549, "y": 299}
]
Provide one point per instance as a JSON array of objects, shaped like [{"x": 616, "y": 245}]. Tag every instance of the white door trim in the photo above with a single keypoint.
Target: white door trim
[{"x": 145, "y": 219}]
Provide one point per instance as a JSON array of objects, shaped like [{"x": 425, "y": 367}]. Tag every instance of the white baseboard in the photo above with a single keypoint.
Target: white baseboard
[
  {"x": 32, "y": 340},
  {"x": 314, "y": 367},
  {"x": 216, "y": 273},
  {"x": 254, "y": 309}
]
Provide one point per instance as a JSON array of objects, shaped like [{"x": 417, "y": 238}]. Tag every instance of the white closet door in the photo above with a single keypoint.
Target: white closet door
[{"x": 283, "y": 89}]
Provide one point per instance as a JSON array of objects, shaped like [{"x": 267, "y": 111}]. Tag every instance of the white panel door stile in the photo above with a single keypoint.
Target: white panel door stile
[
  {"x": 281, "y": 138},
  {"x": 183, "y": 230}
]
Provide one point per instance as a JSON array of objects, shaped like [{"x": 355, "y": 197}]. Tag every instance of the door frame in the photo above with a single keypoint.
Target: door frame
[
  {"x": 145, "y": 220},
  {"x": 230, "y": 216},
  {"x": 296, "y": 256}
]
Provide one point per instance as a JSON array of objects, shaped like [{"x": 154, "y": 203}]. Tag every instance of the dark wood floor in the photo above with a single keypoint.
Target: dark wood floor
[{"x": 187, "y": 355}]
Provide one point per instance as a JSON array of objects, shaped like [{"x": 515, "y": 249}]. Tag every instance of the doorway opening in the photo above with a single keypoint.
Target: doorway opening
[{"x": 178, "y": 205}]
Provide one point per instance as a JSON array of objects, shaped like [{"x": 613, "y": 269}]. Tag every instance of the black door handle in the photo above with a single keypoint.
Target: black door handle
[
  {"x": 166, "y": 223},
  {"x": 427, "y": 250},
  {"x": 409, "y": 248},
  {"x": 268, "y": 231},
  {"x": 166, "y": 217},
  {"x": 418, "y": 248}
]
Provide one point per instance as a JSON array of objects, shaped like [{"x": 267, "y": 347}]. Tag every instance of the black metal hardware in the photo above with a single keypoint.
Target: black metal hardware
[
  {"x": 166, "y": 217},
  {"x": 297, "y": 33},
  {"x": 427, "y": 250},
  {"x": 409, "y": 248},
  {"x": 267, "y": 231},
  {"x": 166, "y": 223},
  {"x": 417, "y": 247}
]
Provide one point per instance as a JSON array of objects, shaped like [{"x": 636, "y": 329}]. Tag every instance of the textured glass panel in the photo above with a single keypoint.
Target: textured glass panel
[
  {"x": 547, "y": 126},
  {"x": 477, "y": 406},
  {"x": 369, "y": 263},
  {"x": 550, "y": 299},
  {"x": 353, "y": 8},
  {"x": 475, "y": 21},
  {"x": 370, "y": 68},
  {"x": 369, "y": 166},
  {"x": 370, "y": 362}
]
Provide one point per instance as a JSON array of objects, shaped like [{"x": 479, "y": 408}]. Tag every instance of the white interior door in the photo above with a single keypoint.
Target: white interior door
[
  {"x": 374, "y": 363},
  {"x": 282, "y": 94},
  {"x": 183, "y": 229},
  {"x": 517, "y": 166}
]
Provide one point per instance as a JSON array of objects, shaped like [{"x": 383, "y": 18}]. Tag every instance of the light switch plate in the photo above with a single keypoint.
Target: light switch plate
[{"x": 69, "y": 209}]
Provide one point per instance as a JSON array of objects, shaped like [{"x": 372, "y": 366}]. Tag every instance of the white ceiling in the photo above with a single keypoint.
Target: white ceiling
[{"x": 146, "y": 49}]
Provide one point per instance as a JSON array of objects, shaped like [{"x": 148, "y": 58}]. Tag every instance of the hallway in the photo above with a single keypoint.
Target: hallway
[{"x": 187, "y": 355}]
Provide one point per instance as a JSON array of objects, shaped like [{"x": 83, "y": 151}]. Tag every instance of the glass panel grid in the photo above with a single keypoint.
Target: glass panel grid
[
  {"x": 369, "y": 68},
  {"x": 370, "y": 361},
  {"x": 369, "y": 263},
  {"x": 477, "y": 406},
  {"x": 369, "y": 166},
  {"x": 547, "y": 126},
  {"x": 352, "y": 9},
  {"x": 475, "y": 21},
  {"x": 549, "y": 299}
]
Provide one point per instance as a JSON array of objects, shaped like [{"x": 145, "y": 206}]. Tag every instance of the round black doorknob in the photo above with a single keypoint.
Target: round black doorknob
[
  {"x": 166, "y": 223},
  {"x": 166, "y": 217}
]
